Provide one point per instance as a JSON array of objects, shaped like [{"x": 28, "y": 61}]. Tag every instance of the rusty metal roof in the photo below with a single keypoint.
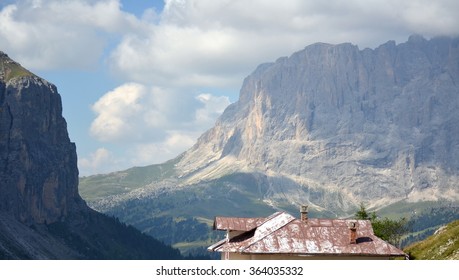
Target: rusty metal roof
[
  {"x": 237, "y": 224},
  {"x": 282, "y": 233}
]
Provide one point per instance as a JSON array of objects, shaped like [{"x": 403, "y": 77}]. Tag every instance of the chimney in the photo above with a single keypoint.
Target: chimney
[
  {"x": 353, "y": 232},
  {"x": 304, "y": 213}
]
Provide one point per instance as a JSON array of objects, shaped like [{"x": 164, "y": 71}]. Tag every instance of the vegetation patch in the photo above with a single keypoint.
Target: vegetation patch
[
  {"x": 443, "y": 245},
  {"x": 102, "y": 237},
  {"x": 96, "y": 187},
  {"x": 10, "y": 69}
]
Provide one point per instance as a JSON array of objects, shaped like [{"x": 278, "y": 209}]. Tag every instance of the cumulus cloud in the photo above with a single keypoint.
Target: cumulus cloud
[
  {"x": 118, "y": 113},
  {"x": 122, "y": 157},
  {"x": 153, "y": 123},
  {"x": 212, "y": 109},
  {"x": 158, "y": 152},
  {"x": 137, "y": 113},
  {"x": 54, "y": 34},
  {"x": 100, "y": 161},
  {"x": 217, "y": 43}
]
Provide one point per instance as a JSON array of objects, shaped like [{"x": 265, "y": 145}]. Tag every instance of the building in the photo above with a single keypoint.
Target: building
[{"x": 283, "y": 237}]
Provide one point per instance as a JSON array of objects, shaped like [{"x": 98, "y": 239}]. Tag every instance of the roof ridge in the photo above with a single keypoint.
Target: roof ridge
[{"x": 269, "y": 227}]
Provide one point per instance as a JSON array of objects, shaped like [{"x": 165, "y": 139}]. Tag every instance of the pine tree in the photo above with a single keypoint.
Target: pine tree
[{"x": 385, "y": 228}]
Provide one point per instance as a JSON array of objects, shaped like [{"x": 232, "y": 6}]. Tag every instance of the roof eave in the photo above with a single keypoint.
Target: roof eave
[{"x": 317, "y": 254}]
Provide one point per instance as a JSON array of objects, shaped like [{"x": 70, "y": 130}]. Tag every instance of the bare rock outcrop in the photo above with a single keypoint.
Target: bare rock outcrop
[
  {"x": 38, "y": 163},
  {"x": 339, "y": 126},
  {"x": 42, "y": 215}
]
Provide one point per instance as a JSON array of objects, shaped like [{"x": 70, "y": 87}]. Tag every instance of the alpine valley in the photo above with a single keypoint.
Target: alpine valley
[
  {"x": 42, "y": 215},
  {"x": 331, "y": 126}
]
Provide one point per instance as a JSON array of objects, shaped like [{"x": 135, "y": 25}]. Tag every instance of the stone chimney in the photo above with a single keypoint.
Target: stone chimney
[
  {"x": 304, "y": 213},
  {"x": 353, "y": 232}
]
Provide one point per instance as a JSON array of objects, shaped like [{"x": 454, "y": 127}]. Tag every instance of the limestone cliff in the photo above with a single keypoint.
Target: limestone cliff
[
  {"x": 42, "y": 215},
  {"x": 38, "y": 163},
  {"x": 333, "y": 125}
]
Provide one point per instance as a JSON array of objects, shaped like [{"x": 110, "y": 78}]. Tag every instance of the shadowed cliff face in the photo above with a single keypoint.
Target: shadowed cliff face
[
  {"x": 42, "y": 216},
  {"x": 38, "y": 163}
]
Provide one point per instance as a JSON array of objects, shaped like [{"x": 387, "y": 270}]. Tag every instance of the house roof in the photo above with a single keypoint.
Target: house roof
[
  {"x": 237, "y": 224},
  {"x": 282, "y": 233}
]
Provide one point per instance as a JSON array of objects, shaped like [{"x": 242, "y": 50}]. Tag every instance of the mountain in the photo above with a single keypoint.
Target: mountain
[
  {"x": 38, "y": 163},
  {"x": 442, "y": 245},
  {"x": 42, "y": 215},
  {"x": 331, "y": 126},
  {"x": 343, "y": 126}
]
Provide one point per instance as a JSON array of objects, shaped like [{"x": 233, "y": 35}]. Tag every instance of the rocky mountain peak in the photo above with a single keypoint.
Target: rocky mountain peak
[{"x": 335, "y": 125}]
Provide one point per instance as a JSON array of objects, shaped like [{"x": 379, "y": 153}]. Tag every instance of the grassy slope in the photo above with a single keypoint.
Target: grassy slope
[
  {"x": 12, "y": 69},
  {"x": 441, "y": 246},
  {"x": 99, "y": 186},
  {"x": 403, "y": 209}
]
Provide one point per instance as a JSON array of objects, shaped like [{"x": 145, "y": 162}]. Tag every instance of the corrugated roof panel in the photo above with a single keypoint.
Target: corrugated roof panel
[
  {"x": 238, "y": 224},
  {"x": 312, "y": 246},
  {"x": 255, "y": 248},
  {"x": 270, "y": 243},
  {"x": 325, "y": 246},
  {"x": 272, "y": 224},
  {"x": 285, "y": 239},
  {"x": 299, "y": 245},
  {"x": 340, "y": 223},
  {"x": 385, "y": 248},
  {"x": 325, "y": 223},
  {"x": 366, "y": 247}
]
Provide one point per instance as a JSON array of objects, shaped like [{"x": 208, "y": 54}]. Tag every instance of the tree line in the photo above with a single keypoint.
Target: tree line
[{"x": 405, "y": 231}]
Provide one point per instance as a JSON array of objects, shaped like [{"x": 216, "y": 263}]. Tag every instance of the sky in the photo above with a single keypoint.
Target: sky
[{"x": 140, "y": 81}]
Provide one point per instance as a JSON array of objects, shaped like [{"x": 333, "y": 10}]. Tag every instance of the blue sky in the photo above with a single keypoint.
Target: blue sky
[{"x": 141, "y": 80}]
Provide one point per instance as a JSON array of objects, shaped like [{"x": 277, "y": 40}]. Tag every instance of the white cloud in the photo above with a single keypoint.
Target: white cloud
[
  {"x": 217, "y": 43},
  {"x": 213, "y": 108},
  {"x": 138, "y": 113},
  {"x": 54, "y": 34},
  {"x": 184, "y": 57},
  {"x": 101, "y": 161},
  {"x": 158, "y": 152},
  {"x": 153, "y": 124},
  {"x": 431, "y": 17},
  {"x": 205, "y": 43},
  {"x": 137, "y": 153},
  {"x": 119, "y": 113}
]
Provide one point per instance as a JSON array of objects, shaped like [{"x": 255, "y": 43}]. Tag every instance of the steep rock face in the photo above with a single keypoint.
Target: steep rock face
[
  {"x": 38, "y": 163},
  {"x": 334, "y": 126},
  {"x": 42, "y": 216}
]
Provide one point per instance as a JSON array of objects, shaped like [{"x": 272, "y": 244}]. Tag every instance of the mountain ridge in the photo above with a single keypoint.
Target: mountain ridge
[
  {"x": 331, "y": 126},
  {"x": 334, "y": 108}
]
